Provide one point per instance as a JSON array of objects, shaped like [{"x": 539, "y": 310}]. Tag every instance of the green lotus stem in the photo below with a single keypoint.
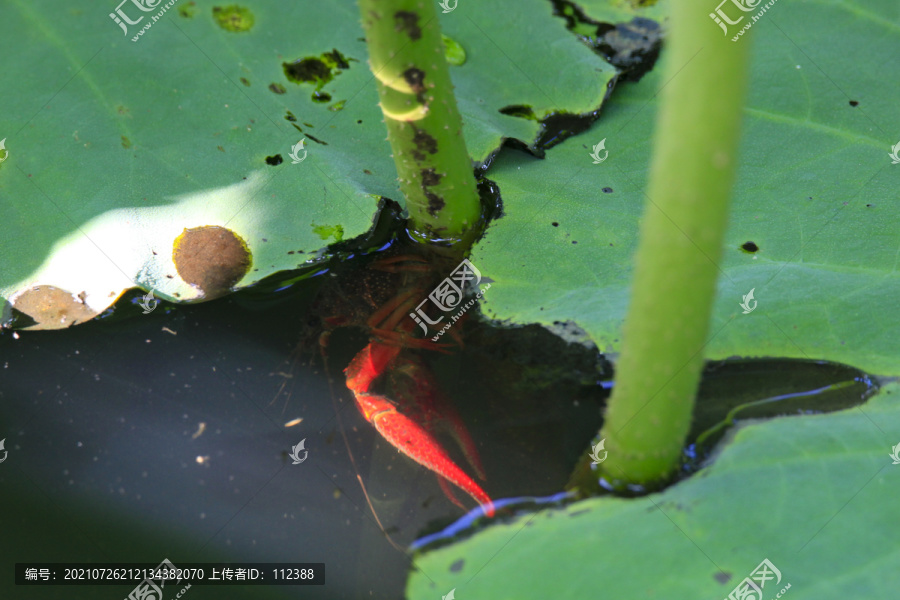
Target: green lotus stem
[
  {"x": 406, "y": 55},
  {"x": 676, "y": 264}
]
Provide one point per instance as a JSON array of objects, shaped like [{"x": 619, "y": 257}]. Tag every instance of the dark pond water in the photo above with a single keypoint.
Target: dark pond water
[{"x": 164, "y": 436}]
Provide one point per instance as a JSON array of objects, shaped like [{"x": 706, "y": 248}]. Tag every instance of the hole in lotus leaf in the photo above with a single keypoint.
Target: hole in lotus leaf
[
  {"x": 457, "y": 565},
  {"x": 233, "y": 18},
  {"x": 318, "y": 70},
  {"x": 53, "y": 308},
  {"x": 519, "y": 110},
  {"x": 274, "y": 160},
  {"x": 336, "y": 59},
  {"x": 749, "y": 247},
  {"x": 453, "y": 51},
  {"x": 558, "y": 127},
  {"x": 277, "y": 88},
  {"x": 313, "y": 138},
  {"x": 631, "y": 47},
  {"x": 308, "y": 70},
  {"x": 211, "y": 258}
]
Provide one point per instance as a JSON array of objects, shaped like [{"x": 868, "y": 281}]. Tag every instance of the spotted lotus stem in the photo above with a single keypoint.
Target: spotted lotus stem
[{"x": 406, "y": 56}]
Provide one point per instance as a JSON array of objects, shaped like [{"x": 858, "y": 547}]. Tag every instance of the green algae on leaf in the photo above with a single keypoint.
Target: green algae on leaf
[
  {"x": 188, "y": 10},
  {"x": 329, "y": 231},
  {"x": 233, "y": 18}
]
